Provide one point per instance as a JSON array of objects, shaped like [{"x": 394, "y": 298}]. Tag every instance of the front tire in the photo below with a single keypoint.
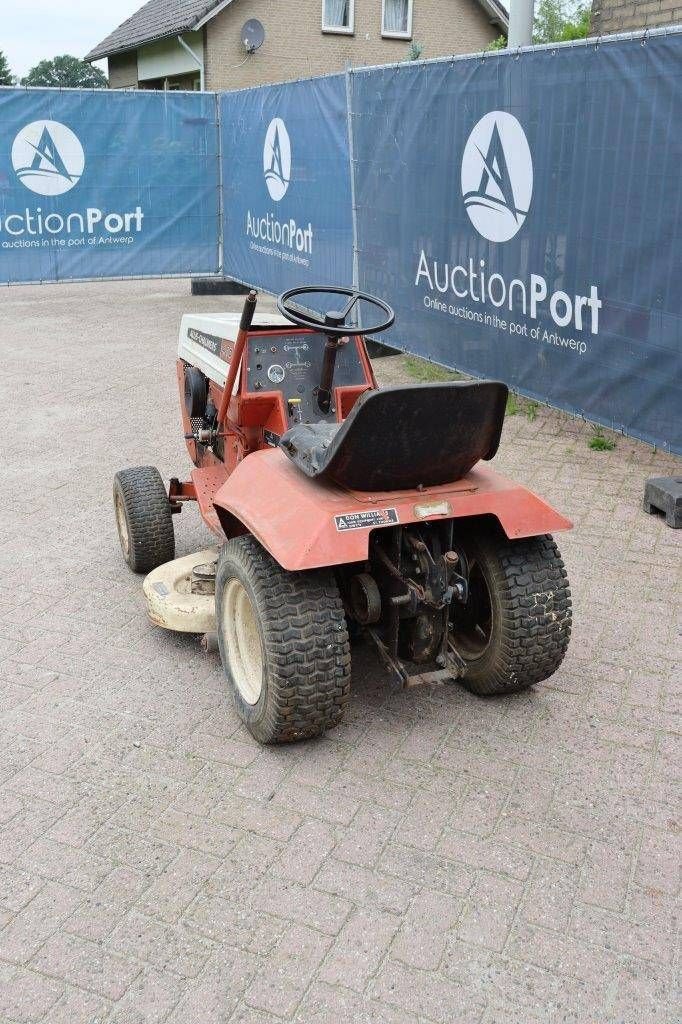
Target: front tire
[
  {"x": 143, "y": 518},
  {"x": 283, "y": 644},
  {"x": 515, "y": 628}
]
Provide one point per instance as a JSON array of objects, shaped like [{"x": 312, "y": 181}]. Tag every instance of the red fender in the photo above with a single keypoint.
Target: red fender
[{"x": 307, "y": 524}]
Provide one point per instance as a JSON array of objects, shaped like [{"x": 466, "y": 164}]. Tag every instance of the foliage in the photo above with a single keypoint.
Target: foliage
[
  {"x": 579, "y": 27},
  {"x": 516, "y": 404},
  {"x": 66, "y": 72},
  {"x": 558, "y": 21},
  {"x": 415, "y": 51},
  {"x": 600, "y": 443},
  {"x": 6, "y": 76}
]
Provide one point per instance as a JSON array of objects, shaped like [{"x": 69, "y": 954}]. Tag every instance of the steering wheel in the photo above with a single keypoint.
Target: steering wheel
[{"x": 333, "y": 324}]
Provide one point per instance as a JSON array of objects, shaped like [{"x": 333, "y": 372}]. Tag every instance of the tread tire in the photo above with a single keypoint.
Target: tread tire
[
  {"x": 531, "y": 611},
  {"x": 148, "y": 517},
  {"x": 305, "y": 646}
]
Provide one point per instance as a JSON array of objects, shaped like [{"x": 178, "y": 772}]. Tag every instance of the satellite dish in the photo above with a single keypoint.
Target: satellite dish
[{"x": 253, "y": 35}]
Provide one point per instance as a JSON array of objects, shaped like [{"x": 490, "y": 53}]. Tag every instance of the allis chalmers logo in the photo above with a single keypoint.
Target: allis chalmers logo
[
  {"x": 48, "y": 158},
  {"x": 277, "y": 159},
  {"x": 497, "y": 176}
]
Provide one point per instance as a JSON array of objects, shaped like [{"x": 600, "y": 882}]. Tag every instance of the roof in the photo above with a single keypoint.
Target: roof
[
  {"x": 497, "y": 12},
  {"x": 159, "y": 19}
]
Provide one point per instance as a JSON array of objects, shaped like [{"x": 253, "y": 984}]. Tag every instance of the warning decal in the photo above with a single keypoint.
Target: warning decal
[{"x": 366, "y": 520}]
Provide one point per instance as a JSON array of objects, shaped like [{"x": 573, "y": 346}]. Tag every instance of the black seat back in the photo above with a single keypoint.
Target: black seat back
[{"x": 401, "y": 437}]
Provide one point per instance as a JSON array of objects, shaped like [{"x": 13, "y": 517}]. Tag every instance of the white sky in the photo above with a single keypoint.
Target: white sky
[{"x": 33, "y": 29}]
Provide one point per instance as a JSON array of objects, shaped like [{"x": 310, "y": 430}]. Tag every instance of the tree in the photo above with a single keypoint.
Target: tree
[
  {"x": 579, "y": 27},
  {"x": 6, "y": 76},
  {"x": 558, "y": 21},
  {"x": 66, "y": 72}
]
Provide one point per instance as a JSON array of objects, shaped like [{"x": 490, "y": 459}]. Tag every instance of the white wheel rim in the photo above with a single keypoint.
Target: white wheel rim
[
  {"x": 122, "y": 525},
  {"x": 242, "y": 641}
]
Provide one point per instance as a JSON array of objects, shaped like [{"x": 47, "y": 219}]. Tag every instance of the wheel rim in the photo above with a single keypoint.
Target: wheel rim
[
  {"x": 242, "y": 641},
  {"x": 473, "y": 624},
  {"x": 122, "y": 525}
]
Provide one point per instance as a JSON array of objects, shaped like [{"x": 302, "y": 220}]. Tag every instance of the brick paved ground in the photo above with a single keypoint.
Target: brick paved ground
[{"x": 438, "y": 858}]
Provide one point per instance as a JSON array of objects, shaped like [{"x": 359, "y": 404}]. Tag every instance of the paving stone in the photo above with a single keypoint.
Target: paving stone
[
  {"x": 294, "y": 902},
  {"x": 326, "y": 1004},
  {"x": 24, "y": 995},
  {"x": 362, "y": 886},
  {"x": 426, "y": 994},
  {"x": 234, "y": 923},
  {"x": 174, "y": 889},
  {"x": 366, "y": 836},
  {"x": 214, "y": 994},
  {"x": 359, "y": 948},
  {"x": 166, "y": 947},
  {"x": 605, "y": 875},
  {"x": 422, "y": 938},
  {"x": 77, "y": 1006},
  {"x": 86, "y": 965},
  {"x": 425, "y": 870},
  {"x": 490, "y": 854},
  {"x": 660, "y": 860},
  {"x": 305, "y": 852},
  {"x": 26, "y": 933},
  {"x": 17, "y": 887},
  {"x": 490, "y": 910},
  {"x": 426, "y": 818},
  {"x": 550, "y": 894},
  {"x": 76, "y": 868},
  {"x": 280, "y": 985},
  {"x": 149, "y": 999}
]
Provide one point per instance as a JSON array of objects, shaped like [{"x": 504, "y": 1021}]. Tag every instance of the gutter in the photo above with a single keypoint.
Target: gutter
[{"x": 195, "y": 57}]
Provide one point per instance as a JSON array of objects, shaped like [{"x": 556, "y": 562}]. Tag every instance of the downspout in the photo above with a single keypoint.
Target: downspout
[{"x": 200, "y": 63}]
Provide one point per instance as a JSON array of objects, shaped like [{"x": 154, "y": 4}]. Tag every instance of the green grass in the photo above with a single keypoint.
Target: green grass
[
  {"x": 599, "y": 443},
  {"x": 516, "y": 404},
  {"x": 428, "y": 373}
]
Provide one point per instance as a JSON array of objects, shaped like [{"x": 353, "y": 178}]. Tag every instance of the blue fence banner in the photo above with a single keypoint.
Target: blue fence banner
[
  {"x": 107, "y": 184},
  {"x": 287, "y": 211},
  {"x": 521, "y": 211},
  {"x": 524, "y": 217}
]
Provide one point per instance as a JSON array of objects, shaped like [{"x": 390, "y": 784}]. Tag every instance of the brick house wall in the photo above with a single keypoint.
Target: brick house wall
[
  {"x": 296, "y": 47},
  {"x": 609, "y": 16}
]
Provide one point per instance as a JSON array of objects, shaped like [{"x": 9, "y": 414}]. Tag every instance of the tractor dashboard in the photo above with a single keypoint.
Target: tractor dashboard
[{"x": 291, "y": 362}]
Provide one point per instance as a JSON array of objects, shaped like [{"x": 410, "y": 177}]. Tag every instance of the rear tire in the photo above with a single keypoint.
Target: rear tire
[
  {"x": 283, "y": 643},
  {"x": 515, "y": 628},
  {"x": 143, "y": 518}
]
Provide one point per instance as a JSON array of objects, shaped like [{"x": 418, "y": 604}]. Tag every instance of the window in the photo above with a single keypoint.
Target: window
[
  {"x": 337, "y": 16},
  {"x": 396, "y": 19}
]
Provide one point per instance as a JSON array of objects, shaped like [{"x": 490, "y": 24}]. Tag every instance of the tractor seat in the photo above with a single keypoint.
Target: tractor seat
[{"x": 401, "y": 437}]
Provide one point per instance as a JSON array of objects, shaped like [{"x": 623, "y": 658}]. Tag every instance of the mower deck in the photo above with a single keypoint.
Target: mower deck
[{"x": 180, "y": 599}]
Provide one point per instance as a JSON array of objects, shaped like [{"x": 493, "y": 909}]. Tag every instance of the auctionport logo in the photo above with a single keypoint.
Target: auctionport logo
[
  {"x": 284, "y": 239},
  {"x": 497, "y": 176},
  {"x": 277, "y": 159},
  {"x": 48, "y": 158}
]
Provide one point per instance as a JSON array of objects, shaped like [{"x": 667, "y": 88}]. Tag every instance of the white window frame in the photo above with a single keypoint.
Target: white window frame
[
  {"x": 343, "y": 30},
  {"x": 396, "y": 35}
]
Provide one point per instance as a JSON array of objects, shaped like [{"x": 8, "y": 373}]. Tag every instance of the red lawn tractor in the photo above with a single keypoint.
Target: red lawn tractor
[{"x": 339, "y": 508}]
